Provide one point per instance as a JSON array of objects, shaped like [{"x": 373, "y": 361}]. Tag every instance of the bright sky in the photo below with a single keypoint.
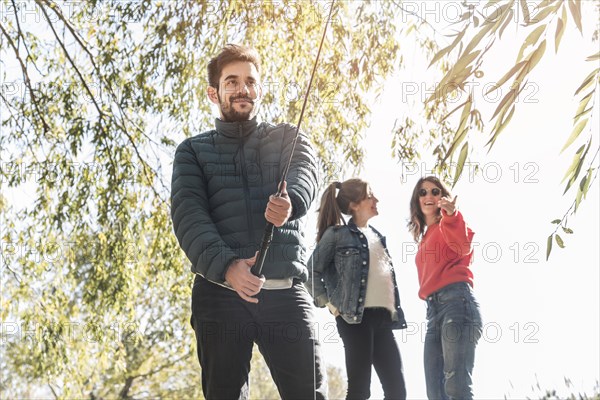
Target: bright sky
[{"x": 541, "y": 319}]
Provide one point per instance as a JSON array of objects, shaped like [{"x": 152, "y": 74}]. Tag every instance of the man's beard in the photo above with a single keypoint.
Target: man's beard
[{"x": 232, "y": 115}]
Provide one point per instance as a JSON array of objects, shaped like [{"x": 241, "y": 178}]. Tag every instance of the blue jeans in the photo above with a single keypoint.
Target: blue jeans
[
  {"x": 453, "y": 329},
  {"x": 372, "y": 343},
  {"x": 227, "y": 327}
]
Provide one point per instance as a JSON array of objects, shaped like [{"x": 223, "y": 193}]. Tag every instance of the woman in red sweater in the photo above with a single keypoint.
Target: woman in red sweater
[{"x": 446, "y": 281}]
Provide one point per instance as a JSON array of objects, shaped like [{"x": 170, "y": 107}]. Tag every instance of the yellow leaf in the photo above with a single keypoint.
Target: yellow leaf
[
  {"x": 507, "y": 76},
  {"x": 508, "y": 99},
  {"x": 475, "y": 41},
  {"x": 536, "y": 56},
  {"x": 575, "y": 8},
  {"x": 500, "y": 125},
  {"x": 593, "y": 57},
  {"x": 525, "y": 10},
  {"x": 588, "y": 80},
  {"x": 506, "y": 22},
  {"x": 461, "y": 162},
  {"x": 531, "y": 40},
  {"x": 581, "y": 111},
  {"x": 573, "y": 163},
  {"x": 449, "y": 48},
  {"x": 575, "y": 134},
  {"x": 559, "y": 33}
]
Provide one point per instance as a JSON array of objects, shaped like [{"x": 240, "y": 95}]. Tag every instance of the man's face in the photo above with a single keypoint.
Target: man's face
[{"x": 239, "y": 93}]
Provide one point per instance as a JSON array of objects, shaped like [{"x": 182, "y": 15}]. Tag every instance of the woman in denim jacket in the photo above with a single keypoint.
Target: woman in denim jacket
[
  {"x": 351, "y": 273},
  {"x": 445, "y": 279}
]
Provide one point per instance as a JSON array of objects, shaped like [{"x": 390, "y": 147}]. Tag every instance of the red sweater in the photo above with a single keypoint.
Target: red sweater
[{"x": 445, "y": 254}]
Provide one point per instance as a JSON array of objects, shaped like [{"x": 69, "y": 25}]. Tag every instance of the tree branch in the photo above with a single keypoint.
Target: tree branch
[
  {"x": 26, "y": 77},
  {"x": 125, "y": 118}
]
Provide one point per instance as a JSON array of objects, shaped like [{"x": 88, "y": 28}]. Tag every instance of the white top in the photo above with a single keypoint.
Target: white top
[{"x": 380, "y": 287}]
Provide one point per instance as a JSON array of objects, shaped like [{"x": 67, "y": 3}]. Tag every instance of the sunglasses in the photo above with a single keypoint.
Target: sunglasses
[{"x": 434, "y": 192}]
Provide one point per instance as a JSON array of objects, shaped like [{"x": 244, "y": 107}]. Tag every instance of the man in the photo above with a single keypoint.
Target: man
[{"x": 222, "y": 187}]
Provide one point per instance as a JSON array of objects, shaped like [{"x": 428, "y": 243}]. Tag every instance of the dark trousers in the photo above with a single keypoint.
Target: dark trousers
[
  {"x": 227, "y": 327},
  {"x": 372, "y": 343}
]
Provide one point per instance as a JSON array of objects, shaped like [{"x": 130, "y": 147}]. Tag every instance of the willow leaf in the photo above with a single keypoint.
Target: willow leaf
[
  {"x": 581, "y": 110},
  {"x": 574, "y": 163},
  {"x": 454, "y": 110},
  {"x": 461, "y": 162},
  {"x": 544, "y": 12},
  {"x": 507, "y": 76},
  {"x": 507, "y": 22},
  {"x": 508, "y": 99},
  {"x": 593, "y": 57},
  {"x": 536, "y": 56},
  {"x": 549, "y": 246},
  {"x": 531, "y": 40},
  {"x": 575, "y": 134},
  {"x": 525, "y": 9},
  {"x": 579, "y": 165},
  {"x": 475, "y": 41},
  {"x": 448, "y": 49},
  {"x": 587, "y": 81},
  {"x": 559, "y": 241},
  {"x": 582, "y": 190},
  {"x": 575, "y": 8},
  {"x": 560, "y": 30},
  {"x": 500, "y": 125}
]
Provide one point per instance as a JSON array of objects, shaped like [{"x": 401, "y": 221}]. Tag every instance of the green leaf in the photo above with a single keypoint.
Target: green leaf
[
  {"x": 568, "y": 231},
  {"x": 574, "y": 163},
  {"x": 575, "y": 174},
  {"x": 559, "y": 241},
  {"x": 548, "y": 247},
  {"x": 584, "y": 185},
  {"x": 461, "y": 162},
  {"x": 556, "y": 221},
  {"x": 581, "y": 110},
  {"x": 575, "y": 134}
]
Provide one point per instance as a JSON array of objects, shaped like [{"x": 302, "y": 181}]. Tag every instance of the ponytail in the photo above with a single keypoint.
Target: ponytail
[
  {"x": 333, "y": 206},
  {"x": 329, "y": 211}
]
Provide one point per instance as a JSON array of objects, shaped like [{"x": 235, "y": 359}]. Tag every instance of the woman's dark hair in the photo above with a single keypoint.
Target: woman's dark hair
[
  {"x": 230, "y": 53},
  {"x": 333, "y": 206},
  {"x": 416, "y": 225}
]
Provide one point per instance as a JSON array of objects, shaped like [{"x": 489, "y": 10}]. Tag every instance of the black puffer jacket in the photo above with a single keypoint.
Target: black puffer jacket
[{"x": 220, "y": 188}]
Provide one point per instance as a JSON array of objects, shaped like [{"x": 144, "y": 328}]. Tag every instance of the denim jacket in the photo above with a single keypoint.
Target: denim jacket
[{"x": 338, "y": 272}]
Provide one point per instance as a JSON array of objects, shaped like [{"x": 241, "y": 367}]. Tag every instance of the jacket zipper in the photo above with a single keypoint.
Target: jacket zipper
[{"x": 246, "y": 188}]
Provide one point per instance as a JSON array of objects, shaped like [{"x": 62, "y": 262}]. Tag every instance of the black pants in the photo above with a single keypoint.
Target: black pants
[
  {"x": 227, "y": 327},
  {"x": 372, "y": 343}
]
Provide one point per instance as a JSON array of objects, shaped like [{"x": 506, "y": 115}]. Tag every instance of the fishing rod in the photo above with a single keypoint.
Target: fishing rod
[{"x": 268, "y": 233}]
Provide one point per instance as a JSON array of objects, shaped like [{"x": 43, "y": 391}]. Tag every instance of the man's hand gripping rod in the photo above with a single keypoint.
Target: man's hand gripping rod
[{"x": 268, "y": 234}]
